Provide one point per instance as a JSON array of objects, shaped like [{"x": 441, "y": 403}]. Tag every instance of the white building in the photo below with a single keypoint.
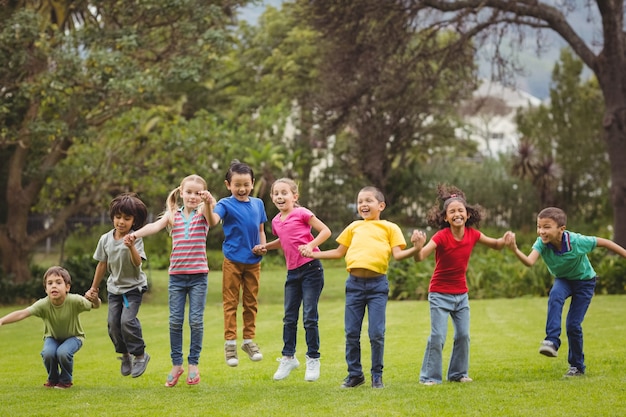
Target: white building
[{"x": 490, "y": 117}]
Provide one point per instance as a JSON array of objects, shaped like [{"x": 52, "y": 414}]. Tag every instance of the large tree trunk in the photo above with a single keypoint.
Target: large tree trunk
[
  {"x": 15, "y": 257},
  {"x": 615, "y": 131}
]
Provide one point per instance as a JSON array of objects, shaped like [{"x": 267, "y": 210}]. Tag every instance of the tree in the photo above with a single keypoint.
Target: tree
[
  {"x": 388, "y": 90},
  {"x": 69, "y": 68},
  {"x": 476, "y": 19},
  {"x": 562, "y": 150}
]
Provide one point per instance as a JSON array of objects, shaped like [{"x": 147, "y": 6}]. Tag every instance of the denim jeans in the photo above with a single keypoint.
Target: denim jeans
[
  {"x": 303, "y": 286},
  {"x": 373, "y": 294},
  {"x": 180, "y": 287},
  {"x": 442, "y": 306},
  {"x": 59, "y": 355},
  {"x": 581, "y": 293},
  {"x": 124, "y": 326}
]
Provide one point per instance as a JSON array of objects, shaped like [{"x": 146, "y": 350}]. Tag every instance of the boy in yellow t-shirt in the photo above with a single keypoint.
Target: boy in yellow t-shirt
[{"x": 367, "y": 245}]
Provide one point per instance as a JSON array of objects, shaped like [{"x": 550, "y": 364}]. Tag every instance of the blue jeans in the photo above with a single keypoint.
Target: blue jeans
[
  {"x": 442, "y": 306},
  {"x": 59, "y": 355},
  {"x": 180, "y": 287},
  {"x": 373, "y": 294},
  {"x": 124, "y": 326},
  {"x": 581, "y": 293},
  {"x": 303, "y": 286}
]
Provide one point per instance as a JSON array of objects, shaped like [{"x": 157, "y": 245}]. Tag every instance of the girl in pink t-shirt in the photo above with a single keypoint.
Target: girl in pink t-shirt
[
  {"x": 447, "y": 294},
  {"x": 305, "y": 276}
]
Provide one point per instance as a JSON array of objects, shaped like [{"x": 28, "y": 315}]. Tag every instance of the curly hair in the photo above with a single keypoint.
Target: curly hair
[{"x": 446, "y": 194}]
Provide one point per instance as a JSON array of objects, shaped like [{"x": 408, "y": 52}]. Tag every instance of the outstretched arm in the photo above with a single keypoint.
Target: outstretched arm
[
  {"x": 418, "y": 238},
  {"x": 15, "y": 316},
  {"x": 92, "y": 293},
  {"x": 492, "y": 243},
  {"x": 610, "y": 245},
  {"x": 509, "y": 240},
  {"x": 338, "y": 252}
]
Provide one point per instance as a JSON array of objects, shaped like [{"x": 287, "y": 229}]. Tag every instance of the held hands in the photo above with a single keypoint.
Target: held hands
[
  {"x": 259, "y": 250},
  {"x": 208, "y": 198},
  {"x": 129, "y": 239},
  {"x": 509, "y": 240},
  {"x": 92, "y": 294},
  {"x": 418, "y": 238}
]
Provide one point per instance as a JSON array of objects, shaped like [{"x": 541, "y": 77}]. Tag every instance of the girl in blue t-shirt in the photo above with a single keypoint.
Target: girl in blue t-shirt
[{"x": 242, "y": 218}]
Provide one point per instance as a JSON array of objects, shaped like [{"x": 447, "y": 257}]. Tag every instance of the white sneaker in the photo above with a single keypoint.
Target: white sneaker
[
  {"x": 285, "y": 367},
  {"x": 230, "y": 353},
  {"x": 312, "y": 369}
]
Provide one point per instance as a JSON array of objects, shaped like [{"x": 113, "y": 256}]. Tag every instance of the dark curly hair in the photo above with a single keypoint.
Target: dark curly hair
[{"x": 445, "y": 195}]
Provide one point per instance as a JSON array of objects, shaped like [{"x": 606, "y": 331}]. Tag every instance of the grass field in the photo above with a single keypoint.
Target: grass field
[{"x": 510, "y": 377}]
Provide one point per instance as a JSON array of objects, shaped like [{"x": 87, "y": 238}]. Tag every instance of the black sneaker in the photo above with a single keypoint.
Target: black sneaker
[
  {"x": 573, "y": 371},
  {"x": 353, "y": 381},
  {"x": 139, "y": 365},
  {"x": 377, "y": 381}
]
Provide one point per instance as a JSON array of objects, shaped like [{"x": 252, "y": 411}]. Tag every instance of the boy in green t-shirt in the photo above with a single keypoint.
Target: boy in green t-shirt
[
  {"x": 63, "y": 332},
  {"x": 565, "y": 255}
]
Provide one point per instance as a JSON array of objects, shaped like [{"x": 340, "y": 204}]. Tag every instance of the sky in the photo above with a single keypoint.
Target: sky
[{"x": 537, "y": 69}]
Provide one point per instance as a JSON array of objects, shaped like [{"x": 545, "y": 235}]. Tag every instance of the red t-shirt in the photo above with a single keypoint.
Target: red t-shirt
[{"x": 451, "y": 260}]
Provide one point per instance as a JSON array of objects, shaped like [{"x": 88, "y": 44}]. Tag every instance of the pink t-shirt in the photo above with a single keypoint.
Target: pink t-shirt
[
  {"x": 451, "y": 260},
  {"x": 294, "y": 231}
]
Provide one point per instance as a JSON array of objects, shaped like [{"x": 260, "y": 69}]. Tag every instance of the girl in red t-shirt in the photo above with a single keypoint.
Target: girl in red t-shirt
[{"x": 447, "y": 293}]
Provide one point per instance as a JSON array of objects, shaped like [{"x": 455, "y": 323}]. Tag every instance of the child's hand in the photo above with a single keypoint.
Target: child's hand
[
  {"x": 129, "y": 239},
  {"x": 509, "y": 240},
  {"x": 305, "y": 251},
  {"x": 259, "y": 250},
  {"x": 92, "y": 294},
  {"x": 418, "y": 238}
]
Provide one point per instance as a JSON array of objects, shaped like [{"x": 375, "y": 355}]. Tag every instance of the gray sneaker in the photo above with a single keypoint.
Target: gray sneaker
[
  {"x": 139, "y": 365},
  {"x": 573, "y": 371},
  {"x": 127, "y": 364},
  {"x": 253, "y": 351},
  {"x": 230, "y": 353},
  {"x": 547, "y": 348}
]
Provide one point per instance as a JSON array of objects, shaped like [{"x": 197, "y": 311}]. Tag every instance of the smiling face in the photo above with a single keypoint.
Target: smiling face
[
  {"x": 122, "y": 223},
  {"x": 190, "y": 193},
  {"x": 283, "y": 197},
  {"x": 456, "y": 214},
  {"x": 56, "y": 288},
  {"x": 549, "y": 231},
  {"x": 369, "y": 206},
  {"x": 240, "y": 185}
]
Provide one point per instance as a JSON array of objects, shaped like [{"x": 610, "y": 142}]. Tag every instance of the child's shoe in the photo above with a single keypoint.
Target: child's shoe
[
  {"x": 230, "y": 353},
  {"x": 573, "y": 371},
  {"x": 547, "y": 348},
  {"x": 139, "y": 365},
  {"x": 285, "y": 367},
  {"x": 252, "y": 350},
  {"x": 312, "y": 369},
  {"x": 127, "y": 364},
  {"x": 50, "y": 384},
  {"x": 63, "y": 385},
  {"x": 377, "y": 381}
]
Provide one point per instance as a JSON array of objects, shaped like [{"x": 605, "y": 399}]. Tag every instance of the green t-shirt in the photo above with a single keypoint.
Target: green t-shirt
[
  {"x": 570, "y": 261},
  {"x": 61, "y": 322}
]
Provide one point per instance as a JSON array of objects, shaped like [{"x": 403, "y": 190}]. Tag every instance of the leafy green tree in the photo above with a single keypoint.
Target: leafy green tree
[
  {"x": 68, "y": 69},
  {"x": 562, "y": 149},
  {"x": 492, "y": 19}
]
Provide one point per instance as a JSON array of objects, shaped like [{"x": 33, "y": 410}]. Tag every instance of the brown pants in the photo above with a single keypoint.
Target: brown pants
[{"x": 236, "y": 278}]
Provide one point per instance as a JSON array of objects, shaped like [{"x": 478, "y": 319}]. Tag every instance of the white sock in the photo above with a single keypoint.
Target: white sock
[
  {"x": 231, "y": 342},
  {"x": 247, "y": 341}
]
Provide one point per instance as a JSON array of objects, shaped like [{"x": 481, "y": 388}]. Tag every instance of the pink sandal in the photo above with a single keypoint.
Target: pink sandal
[
  {"x": 173, "y": 379},
  {"x": 193, "y": 378}
]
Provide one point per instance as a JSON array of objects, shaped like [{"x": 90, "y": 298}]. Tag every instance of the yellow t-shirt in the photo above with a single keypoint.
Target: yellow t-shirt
[{"x": 369, "y": 244}]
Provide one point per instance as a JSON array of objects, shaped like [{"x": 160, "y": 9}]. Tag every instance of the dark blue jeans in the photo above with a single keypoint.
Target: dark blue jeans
[
  {"x": 303, "y": 286},
  {"x": 581, "y": 293},
  {"x": 361, "y": 293},
  {"x": 124, "y": 326}
]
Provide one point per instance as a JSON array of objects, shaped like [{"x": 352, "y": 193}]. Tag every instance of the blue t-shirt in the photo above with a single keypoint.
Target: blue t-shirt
[
  {"x": 241, "y": 221},
  {"x": 570, "y": 261}
]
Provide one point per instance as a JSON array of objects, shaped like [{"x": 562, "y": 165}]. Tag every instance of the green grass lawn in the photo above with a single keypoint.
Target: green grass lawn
[{"x": 510, "y": 377}]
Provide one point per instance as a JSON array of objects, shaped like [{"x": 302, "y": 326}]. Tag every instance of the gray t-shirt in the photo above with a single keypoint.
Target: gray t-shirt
[{"x": 123, "y": 275}]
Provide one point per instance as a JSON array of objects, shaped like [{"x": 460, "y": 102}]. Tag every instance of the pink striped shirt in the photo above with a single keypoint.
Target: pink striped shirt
[{"x": 189, "y": 244}]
